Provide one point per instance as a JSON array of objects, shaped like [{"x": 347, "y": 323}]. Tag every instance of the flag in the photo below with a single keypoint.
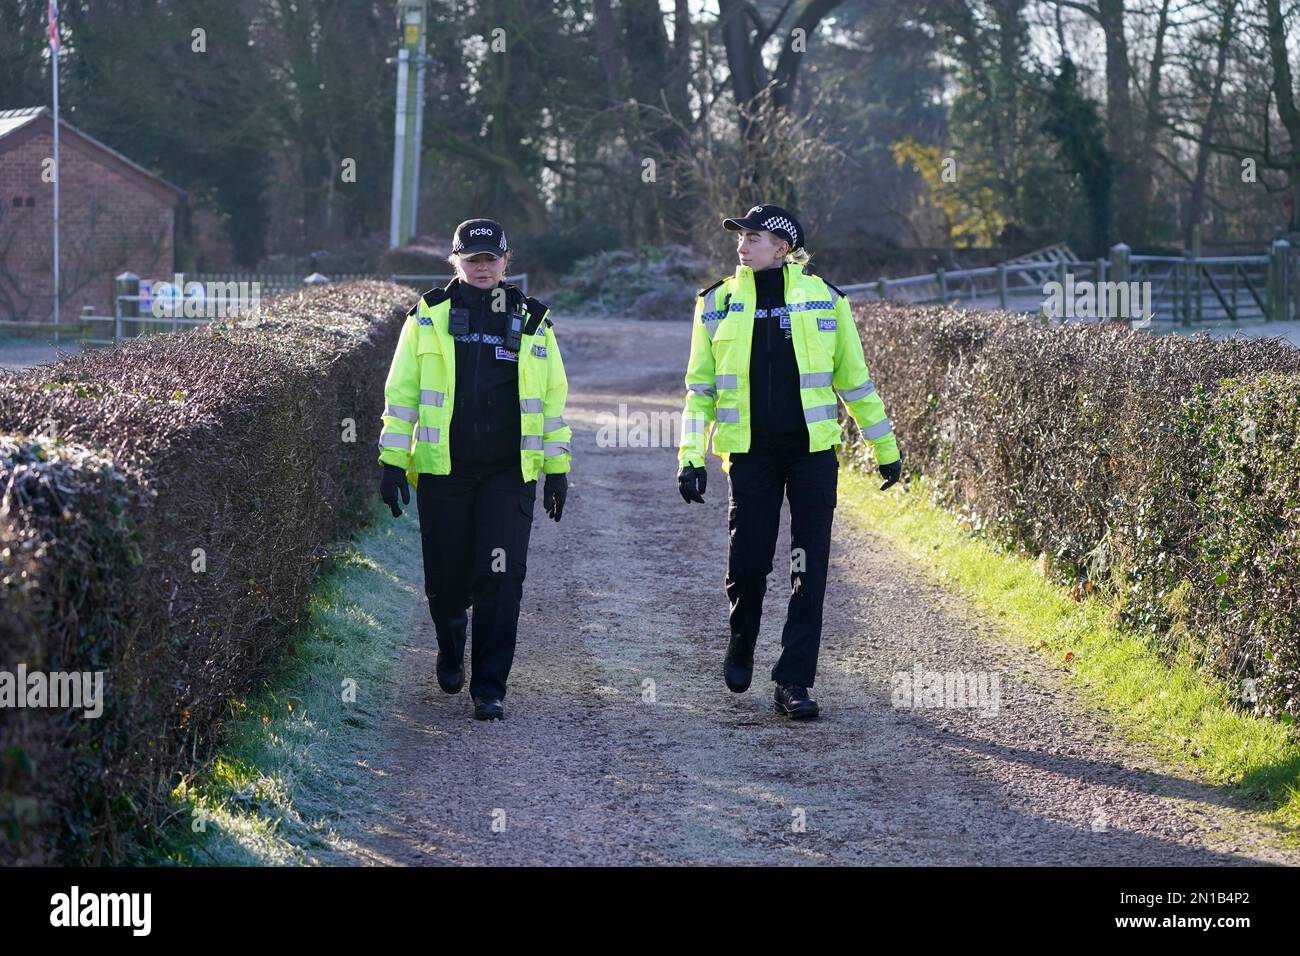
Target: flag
[{"x": 54, "y": 24}]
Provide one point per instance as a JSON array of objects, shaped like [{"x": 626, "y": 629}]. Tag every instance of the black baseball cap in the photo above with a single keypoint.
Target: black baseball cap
[
  {"x": 479, "y": 235},
  {"x": 771, "y": 218}
]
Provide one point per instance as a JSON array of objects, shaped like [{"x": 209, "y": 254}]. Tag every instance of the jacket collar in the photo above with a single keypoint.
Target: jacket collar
[
  {"x": 513, "y": 294},
  {"x": 793, "y": 275}
]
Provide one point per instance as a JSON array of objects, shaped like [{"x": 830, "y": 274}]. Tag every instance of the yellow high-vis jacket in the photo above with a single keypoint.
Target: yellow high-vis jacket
[
  {"x": 420, "y": 394},
  {"x": 828, "y": 351}
]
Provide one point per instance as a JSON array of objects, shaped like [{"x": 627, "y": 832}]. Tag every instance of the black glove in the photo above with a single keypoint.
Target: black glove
[
  {"x": 892, "y": 472},
  {"x": 393, "y": 482},
  {"x": 554, "y": 492},
  {"x": 691, "y": 481}
]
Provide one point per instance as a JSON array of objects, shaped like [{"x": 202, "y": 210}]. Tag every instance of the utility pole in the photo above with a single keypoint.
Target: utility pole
[
  {"x": 409, "y": 122},
  {"x": 52, "y": 28}
]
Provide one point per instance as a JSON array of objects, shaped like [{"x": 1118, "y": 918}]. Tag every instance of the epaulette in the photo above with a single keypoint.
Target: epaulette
[
  {"x": 536, "y": 312},
  {"x": 707, "y": 290},
  {"x": 434, "y": 296}
]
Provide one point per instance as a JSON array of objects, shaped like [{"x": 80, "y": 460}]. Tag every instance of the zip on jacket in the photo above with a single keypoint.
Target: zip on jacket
[
  {"x": 485, "y": 417},
  {"x": 776, "y": 422}
]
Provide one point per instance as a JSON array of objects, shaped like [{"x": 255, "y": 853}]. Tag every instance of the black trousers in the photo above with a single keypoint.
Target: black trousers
[
  {"x": 758, "y": 480},
  {"x": 474, "y": 525}
]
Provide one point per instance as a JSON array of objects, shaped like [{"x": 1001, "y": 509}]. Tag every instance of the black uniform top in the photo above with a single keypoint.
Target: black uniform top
[
  {"x": 485, "y": 418},
  {"x": 776, "y": 414}
]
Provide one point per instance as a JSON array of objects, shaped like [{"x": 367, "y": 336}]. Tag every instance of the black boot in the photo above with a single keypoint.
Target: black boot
[
  {"x": 738, "y": 665},
  {"x": 489, "y": 708},
  {"x": 451, "y": 672},
  {"x": 794, "y": 702},
  {"x": 450, "y": 667}
]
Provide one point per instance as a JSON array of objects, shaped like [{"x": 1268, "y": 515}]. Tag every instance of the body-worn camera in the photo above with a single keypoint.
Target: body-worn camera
[
  {"x": 514, "y": 335},
  {"x": 458, "y": 320}
]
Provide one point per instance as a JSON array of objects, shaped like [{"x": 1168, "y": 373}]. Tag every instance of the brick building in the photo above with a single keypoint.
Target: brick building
[{"x": 114, "y": 216}]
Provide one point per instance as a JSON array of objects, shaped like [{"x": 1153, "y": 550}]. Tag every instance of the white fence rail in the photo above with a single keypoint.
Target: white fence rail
[{"x": 1181, "y": 289}]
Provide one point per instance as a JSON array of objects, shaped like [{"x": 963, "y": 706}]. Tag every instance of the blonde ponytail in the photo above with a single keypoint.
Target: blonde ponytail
[{"x": 798, "y": 257}]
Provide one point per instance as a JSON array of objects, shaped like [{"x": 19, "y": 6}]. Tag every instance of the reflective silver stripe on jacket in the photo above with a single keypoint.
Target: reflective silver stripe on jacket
[
  {"x": 819, "y": 413},
  {"x": 862, "y": 391},
  {"x": 395, "y": 440},
  {"x": 404, "y": 412},
  {"x": 879, "y": 430},
  {"x": 711, "y": 325},
  {"x": 530, "y": 406},
  {"x": 551, "y": 424},
  {"x": 424, "y": 433},
  {"x": 429, "y": 397},
  {"x": 530, "y": 442},
  {"x": 699, "y": 388},
  {"x": 728, "y": 414},
  {"x": 816, "y": 379},
  {"x": 726, "y": 381},
  {"x": 693, "y": 425},
  {"x": 554, "y": 448}
]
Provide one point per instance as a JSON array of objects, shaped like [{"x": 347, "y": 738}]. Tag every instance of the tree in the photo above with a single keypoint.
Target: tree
[
  {"x": 1072, "y": 120},
  {"x": 192, "y": 106},
  {"x": 745, "y": 34}
]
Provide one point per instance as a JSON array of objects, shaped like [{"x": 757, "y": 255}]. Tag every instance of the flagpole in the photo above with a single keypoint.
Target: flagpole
[{"x": 54, "y": 54}]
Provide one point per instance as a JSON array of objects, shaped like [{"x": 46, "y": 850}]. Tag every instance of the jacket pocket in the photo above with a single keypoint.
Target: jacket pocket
[
  {"x": 725, "y": 332},
  {"x": 821, "y": 342},
  {"x": 726, "y": 341},
  {"x": 426, "y": 341}
]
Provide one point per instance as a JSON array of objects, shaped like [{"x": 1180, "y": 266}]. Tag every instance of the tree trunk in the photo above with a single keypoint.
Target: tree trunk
[
  {"x": 607, "y": 44},
  {"x": 1196, "y": 202},
  {"x": 1144, "y": 172},
  {"x": 1119, "y": 118},
  {"x": 1287, "y": 110}
]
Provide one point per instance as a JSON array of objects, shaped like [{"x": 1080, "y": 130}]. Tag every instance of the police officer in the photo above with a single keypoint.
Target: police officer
[
  {"x": 474, "y": 412},
  {"x": 771, "y": 348}
]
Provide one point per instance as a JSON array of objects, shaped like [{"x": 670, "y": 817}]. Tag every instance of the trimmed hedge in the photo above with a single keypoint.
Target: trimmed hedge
[
  {"x": 165, "y": 505},
  {"x": 1164, "y": 469}
]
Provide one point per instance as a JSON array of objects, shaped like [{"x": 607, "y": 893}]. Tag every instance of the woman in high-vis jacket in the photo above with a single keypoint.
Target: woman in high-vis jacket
[
  {"x": 474, "y": 412},
  {"x": 771, "y": 348}
]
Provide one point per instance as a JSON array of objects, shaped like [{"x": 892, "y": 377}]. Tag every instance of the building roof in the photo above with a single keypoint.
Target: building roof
[{"x": 17, "y": 125}]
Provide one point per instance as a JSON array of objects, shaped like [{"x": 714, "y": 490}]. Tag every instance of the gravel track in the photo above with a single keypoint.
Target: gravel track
[{"x": 628, "y": 588}]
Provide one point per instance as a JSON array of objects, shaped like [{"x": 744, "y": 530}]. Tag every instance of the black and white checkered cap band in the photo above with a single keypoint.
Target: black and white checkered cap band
[{"x": 780, "y": 222}]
